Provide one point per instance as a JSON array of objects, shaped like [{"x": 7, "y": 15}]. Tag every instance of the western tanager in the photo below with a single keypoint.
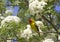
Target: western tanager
[{"x": 33, "y": 25}]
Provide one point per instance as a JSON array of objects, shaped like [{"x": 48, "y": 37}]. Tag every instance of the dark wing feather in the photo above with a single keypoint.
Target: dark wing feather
[{"x": 37, "y": 29}]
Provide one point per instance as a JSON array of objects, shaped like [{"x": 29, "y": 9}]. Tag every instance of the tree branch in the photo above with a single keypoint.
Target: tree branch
[{"x": 54, "y": 26}]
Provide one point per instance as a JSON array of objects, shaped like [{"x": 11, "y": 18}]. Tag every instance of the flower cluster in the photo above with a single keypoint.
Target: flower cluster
[
  {"x": 8, "y": 11},
  {"x": 48, "y": 40},
  {"x": 27, "y": 33},
  {"x": 30, "y": 1},
  {"x": 39, "y": 24},
  {"x": 58, "y": 37},
  {"x": 8, "y": 19},
  {"x": 9, "y": 40},
  {"x": 36, "y": 7}
]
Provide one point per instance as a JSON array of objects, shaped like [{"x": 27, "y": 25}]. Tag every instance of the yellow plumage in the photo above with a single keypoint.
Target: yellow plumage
[{"x": 33, "y": 25}]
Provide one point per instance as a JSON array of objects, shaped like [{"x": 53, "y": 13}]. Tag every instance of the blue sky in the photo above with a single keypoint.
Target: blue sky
[
  {"x": 57, "y": 8},
  {"x": 15, "y": 10}
]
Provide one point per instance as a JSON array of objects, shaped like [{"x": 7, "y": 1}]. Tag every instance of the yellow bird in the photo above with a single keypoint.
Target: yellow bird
[{"x": 33, "y": 25}]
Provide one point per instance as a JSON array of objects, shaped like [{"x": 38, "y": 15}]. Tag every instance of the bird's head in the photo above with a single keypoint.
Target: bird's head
[{"x": 31, "y": 20}]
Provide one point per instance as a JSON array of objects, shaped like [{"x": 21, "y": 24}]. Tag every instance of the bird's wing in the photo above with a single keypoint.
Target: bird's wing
[{"x": 37, "y": 29}]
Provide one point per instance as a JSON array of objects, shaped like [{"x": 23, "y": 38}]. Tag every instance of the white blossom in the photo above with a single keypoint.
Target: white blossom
[
  {"x": 39, "y": 24},
  {"x": 48, "y": 40},
  {"x": 9, "y": 40},
  {"x": 2, "y": 17},
  {"x": 27, "y": 33},
  {"x": 30, "y": 1},
  {"x": 36, "y": 7},
  {"x": 9, "y": 11},
  {"x": 58, "y": 37},
  {"x": 9, "y": 19}
]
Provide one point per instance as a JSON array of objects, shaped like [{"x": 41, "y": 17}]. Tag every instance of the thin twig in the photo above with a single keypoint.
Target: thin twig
[{"x": 50, "y": 23}]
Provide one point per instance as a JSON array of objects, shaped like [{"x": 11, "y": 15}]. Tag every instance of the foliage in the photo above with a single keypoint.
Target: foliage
[
  {"x": 2, "y": 6},
  {"x": 49, "y": 17}
]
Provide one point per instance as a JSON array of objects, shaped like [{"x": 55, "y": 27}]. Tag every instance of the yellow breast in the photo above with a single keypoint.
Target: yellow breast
[{"x": 33, "y": 27}]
